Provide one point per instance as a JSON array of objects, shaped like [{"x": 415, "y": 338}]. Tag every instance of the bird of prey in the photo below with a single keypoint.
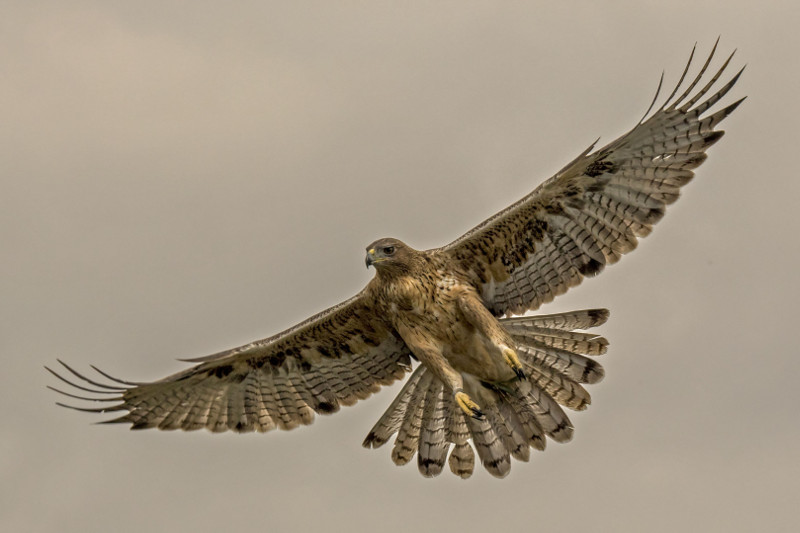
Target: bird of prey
[{"x": 488, "y": 376}]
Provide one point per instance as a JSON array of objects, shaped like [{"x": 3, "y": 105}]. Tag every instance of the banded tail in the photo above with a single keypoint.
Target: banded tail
[{"x": 520, "y": 414}]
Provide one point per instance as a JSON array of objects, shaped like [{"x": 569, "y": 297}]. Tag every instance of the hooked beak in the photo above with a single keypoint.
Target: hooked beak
[{"x": 370, "y": 259}]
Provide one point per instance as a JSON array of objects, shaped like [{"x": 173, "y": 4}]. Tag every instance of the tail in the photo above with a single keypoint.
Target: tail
[{"x": 519, "y": 413}]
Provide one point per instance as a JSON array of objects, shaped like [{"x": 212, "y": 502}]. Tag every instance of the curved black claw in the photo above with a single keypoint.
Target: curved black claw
[
  {"x": 513, "y": 361},
  {"x": 467, "y": 405}
]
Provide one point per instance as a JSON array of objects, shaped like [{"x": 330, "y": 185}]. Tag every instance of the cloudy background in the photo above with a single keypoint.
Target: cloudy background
[{"x": 183, "y": 177}]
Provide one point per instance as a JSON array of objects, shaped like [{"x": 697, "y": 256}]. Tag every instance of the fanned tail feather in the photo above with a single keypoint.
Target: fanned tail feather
[{"x": 519, "y": 413}]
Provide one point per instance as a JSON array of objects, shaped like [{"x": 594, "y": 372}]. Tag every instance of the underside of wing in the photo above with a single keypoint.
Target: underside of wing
[
  {"x": 595, "y": 209},
  {"x": 334, "y": 358}
]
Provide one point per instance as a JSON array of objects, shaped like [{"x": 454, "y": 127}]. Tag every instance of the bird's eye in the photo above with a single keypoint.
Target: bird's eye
[{"x": 389, "y": 250}]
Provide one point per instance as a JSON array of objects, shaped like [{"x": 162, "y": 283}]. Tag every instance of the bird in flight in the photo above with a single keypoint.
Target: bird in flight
[{"x": 488, "y": 376}]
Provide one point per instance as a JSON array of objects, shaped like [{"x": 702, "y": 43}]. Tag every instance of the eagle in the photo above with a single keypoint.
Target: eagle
[{"x": 490, "y": 379}]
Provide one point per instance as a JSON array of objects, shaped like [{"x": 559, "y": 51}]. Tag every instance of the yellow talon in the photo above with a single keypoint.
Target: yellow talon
[
  {"x": 469, "y": 407},
  {"x": 513, "y": 361}
]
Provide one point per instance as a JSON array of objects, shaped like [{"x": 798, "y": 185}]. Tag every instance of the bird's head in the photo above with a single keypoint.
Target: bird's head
[{"x": 388, "y": 254}]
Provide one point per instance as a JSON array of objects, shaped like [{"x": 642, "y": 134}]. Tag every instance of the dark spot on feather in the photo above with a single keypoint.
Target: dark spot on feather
[
  {"x": 653, "y": 215},
  {"x": 575, "y": 203},
  {"x": 237, "y": 378},
  {"x": 345, "y": 348},
  {"x": 277, "y": 359},
  {"x": 427, "y": 463},
  {"x": 494, "y": 463},
  {"x": 536, "y": 228},
  {"x": 554, "y": 209},
  {"x": 591, "y": 268},
  {"x": 305, "y": 366},
  {"x": 326, "y": 407},
  {"x": 592, "y": 373},
  {"x": 712, "y": 137},
  {"x": 561, "y": 427},
  {"x": 529, "y": 245},
  {"x": 323, "y": 351},
  {"x": 256, "y": 363},
  {"x": 600, "y": 167},
  {"x": 598, "y": 316},
  {"x": 221, "y": 371},
  {"x": 291, "y": 351},
  {"x": 597, "y": 186},
  {"x": 371, "y": 341}
]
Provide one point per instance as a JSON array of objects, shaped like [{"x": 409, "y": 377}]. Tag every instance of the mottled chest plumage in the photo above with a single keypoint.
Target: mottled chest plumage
[{"x": 428, "y": 296}]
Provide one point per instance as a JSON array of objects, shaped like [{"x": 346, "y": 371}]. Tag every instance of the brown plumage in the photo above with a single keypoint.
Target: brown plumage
[{"x": 486, "y": 379}]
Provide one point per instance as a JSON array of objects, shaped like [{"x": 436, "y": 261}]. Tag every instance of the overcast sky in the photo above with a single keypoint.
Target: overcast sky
[{"x": 183, "y": 177}]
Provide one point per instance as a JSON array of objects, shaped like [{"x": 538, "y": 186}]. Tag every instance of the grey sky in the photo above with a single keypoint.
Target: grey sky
[{"x": 179, "y": 178}]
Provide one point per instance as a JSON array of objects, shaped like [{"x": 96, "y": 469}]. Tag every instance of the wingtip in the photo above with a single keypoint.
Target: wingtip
[
  {"x": 90, "y": 409},
  {"x": 112, "y": 378},
  {"x": 370, "y": 441},
  {"x": 655, "y": 96}
]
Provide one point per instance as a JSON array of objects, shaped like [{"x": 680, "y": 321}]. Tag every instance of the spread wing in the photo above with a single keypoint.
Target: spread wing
[
  {"x": 334, "y": 358},
  {"x": 593, "y": 210}
]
